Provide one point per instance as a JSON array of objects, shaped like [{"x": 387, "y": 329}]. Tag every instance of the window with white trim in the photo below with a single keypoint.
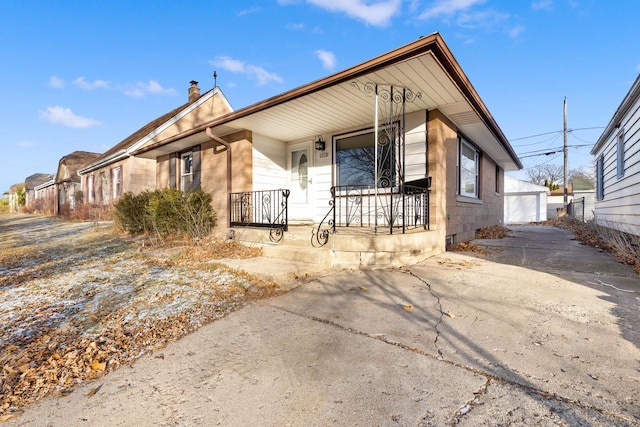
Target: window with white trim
[
  {"x": 620, "y": 155},
  {"x": 90, "y": 189},
  {"x": 117, "y": 182},
  {"x": 186, "y": 171},
  {"x": 468, "y": 167}
]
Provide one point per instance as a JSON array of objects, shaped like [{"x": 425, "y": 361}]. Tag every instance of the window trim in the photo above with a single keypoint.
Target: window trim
[
  {"x": 183, "y": 156},
  {"x": 476, "y": 174},
  {"x": 91, "y": 189},
  {"x": 620, "y": 154},
  {"x": 117, "y": 181}
]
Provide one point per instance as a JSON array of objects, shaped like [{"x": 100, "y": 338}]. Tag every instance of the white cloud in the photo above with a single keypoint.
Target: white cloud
[
  {"x": 486, "y": 19},
  {"x": 542, "y": 5},
  {"x": 327, "y": 58},
  {"x": 141, "y": 89},
  {"x": 515, "y": 32},
  {"x": 377, "y": 13},
  {"x": 66, "y": 117},
  {"x": 294, "y": 26},
  {"x": 252, "y": 71},
  {"x": 56, "y": 82},
  {"x": 448, "y": 8},
  {"x": 26, "y": 144},
  {"x": 249, "y": 11},
  {"x": 82, "y": 83}
]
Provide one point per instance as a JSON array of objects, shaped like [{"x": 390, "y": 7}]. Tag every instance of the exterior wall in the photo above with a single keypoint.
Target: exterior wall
[
  {"x": 620, "y": 207},
  {"x": 136, "y": 175},
  {"x": 207, "y": 109},
  {"x": 269, "y": 163},
  {"x": 455, "y": 216},
  {"x": 524, "y": 202},
  {"x": 214, "y": 173}
]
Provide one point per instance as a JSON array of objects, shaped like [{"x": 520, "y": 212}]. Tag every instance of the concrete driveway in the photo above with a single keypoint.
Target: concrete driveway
[{"x": 540, "y": 331}]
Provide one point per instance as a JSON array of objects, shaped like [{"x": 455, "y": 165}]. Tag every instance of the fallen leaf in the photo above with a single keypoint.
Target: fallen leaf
[
  {"x": 94, "y": 391},
  {"x": 450, "y": 314},
  {"x": 362, "y": 288},
  {"x": 98, "y": 366},
  {"x": 407, "y": 306}
]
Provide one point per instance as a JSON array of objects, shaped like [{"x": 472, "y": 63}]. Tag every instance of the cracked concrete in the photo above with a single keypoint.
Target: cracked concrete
[{"x": 459, "y": 339}]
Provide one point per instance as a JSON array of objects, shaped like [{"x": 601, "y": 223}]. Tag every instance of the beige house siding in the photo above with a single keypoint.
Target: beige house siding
[
  {"x": 214, "y": 172},
  {"x": 451, "y": 214}
]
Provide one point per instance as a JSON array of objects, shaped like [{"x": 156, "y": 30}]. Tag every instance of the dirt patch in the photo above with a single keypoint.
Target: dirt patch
[{"x": 77, "y": 301}]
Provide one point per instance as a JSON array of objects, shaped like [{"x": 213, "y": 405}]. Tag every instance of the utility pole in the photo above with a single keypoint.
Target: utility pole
[{"x": 566, "y": 160}]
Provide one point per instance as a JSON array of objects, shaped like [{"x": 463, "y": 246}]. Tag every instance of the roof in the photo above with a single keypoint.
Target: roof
[
  {"x": 514, "y": 186},
  {"x": 36, "y": 179},
  {"x": 71, "y": 163},
  {"x": 622, "y": 110},
  {"x": 425, "y": 66},
  {"x": 148, "y": 131}
]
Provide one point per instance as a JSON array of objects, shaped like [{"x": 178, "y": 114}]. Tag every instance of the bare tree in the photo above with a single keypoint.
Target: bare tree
[{"x": 548, "y": 174}]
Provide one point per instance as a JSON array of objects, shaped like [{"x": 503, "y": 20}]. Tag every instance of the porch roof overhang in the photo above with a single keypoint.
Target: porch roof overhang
[{"x": 425, "y": 66}]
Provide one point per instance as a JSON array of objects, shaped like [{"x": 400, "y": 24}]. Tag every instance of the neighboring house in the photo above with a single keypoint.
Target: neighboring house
[
  {"x": 45, "y": 197},
  {"x": 617, "y": 158},
  {"x": 583, "y": 203},
  {"x": 14, "y": 195},
  {"x": 524, "y": 202},
  {"x": 67, "y": 181},
  {"x": 401, "y": 144},
  {"x": 555, "y": 202},
  {"x": 31, "y": 182},
  {"x": 117, "y": 171}
]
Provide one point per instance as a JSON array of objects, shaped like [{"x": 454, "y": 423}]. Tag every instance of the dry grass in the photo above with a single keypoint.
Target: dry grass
[{"x": 77, "y": 300}]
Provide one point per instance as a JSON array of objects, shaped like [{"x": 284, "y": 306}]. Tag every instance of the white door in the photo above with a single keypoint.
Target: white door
[{"x": 299, "y": 163}]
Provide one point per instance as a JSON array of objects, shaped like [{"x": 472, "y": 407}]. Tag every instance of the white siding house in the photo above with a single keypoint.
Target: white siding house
[
  {"x": 617, "y": 158},
  {"x": 524, "y": 202}
]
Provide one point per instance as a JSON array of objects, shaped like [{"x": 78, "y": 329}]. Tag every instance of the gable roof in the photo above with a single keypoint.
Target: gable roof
[
  {"x": 69, "y": 165},
  {"x": 614, "y": 123},
  {"x": 37, "y": 179},
  {"x": 138, "y": 138},
  {"x": 425, "y": 66}
]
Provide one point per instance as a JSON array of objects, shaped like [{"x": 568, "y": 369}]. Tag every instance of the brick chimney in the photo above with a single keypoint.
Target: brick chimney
[{"x": 194, "y": 91}]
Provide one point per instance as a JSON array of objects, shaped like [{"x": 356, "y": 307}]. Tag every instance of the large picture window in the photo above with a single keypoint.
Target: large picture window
[
  {"x": 186, "y": 171},
  {"x": 356, "y": 160},
  {"x": 468, "y": 167}
]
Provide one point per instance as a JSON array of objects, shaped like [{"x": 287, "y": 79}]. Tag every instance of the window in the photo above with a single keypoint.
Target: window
[
  {"x": 620, "y": 155},
  {"x": 497, "y": 179},
  {"x": 600, "y": 178},
  {"x": 117, "y": 185},
  {"x": 104, "y": 188},
  {"x": 468, "y": 165},
  {"x": 186, "y": 171},
  {"x": 355, "y": 160},
  {"x": 90, "y": 189}
]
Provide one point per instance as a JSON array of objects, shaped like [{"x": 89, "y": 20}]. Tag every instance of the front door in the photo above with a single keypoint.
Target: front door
[{"x": 299, "y": 163}]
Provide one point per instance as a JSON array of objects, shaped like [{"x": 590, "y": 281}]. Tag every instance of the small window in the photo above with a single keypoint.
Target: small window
[
  {"x": 186, "y": 171},
  {"x": 600, "y": 178},
  {"x": 91, "y": 190},
  {"x": 104, "y": 188},
  {"x": 468, "y": 166},
  {"x": 497, "y": 179},
  {"x": 620, "y": 155},
  {"x": 117, "y": 182}
]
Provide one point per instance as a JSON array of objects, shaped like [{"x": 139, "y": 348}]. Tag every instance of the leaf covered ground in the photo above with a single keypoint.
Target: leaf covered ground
[{"x": 77, "y": 300}]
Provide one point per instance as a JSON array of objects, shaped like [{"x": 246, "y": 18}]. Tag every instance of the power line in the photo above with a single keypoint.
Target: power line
[{"x": 556, "y": 131}]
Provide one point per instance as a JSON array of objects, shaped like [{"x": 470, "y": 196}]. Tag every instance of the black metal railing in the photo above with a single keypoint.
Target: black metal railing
[
  {"x": 268, "y": 209},
  {"x": 389, "y": 210}
]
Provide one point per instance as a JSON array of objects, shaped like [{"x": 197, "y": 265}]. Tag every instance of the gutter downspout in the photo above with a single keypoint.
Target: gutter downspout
[{"x": 229, "y": 175}]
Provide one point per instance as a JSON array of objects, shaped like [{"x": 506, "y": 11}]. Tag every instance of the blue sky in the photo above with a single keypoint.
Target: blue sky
[{"x": 83, "y": 75}]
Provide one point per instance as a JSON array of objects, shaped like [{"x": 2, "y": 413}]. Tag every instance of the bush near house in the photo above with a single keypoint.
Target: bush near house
[
  {"x": 167, "y": 212},
  {"x": 4, "y": 207}
]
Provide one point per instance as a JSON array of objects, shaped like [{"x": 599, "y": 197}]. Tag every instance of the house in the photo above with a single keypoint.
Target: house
[
  {"x": 555, "y": 202},
  {"x": 67, "y": 182},
  {"x": 30, "y": 183},
  {"x": 617, "y": 158},
  {"x": 583, "y": 203},
  {"x": 45, "y": 198},
  {"x": 392, "y": 158},
  {"x": 16, "y": 192},
  {"x": 524, "y": 202},
  {"x": 116, "y": 171}
]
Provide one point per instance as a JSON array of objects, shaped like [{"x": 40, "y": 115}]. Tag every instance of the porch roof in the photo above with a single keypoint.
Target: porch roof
[{"x": 337, "y": 102}]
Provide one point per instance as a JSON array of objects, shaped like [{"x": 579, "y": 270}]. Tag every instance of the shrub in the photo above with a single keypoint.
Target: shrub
[{"x": 166, "y": 212}]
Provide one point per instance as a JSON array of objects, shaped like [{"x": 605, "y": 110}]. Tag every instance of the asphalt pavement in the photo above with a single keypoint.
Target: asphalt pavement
[{"x": 540, "y": 330}]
